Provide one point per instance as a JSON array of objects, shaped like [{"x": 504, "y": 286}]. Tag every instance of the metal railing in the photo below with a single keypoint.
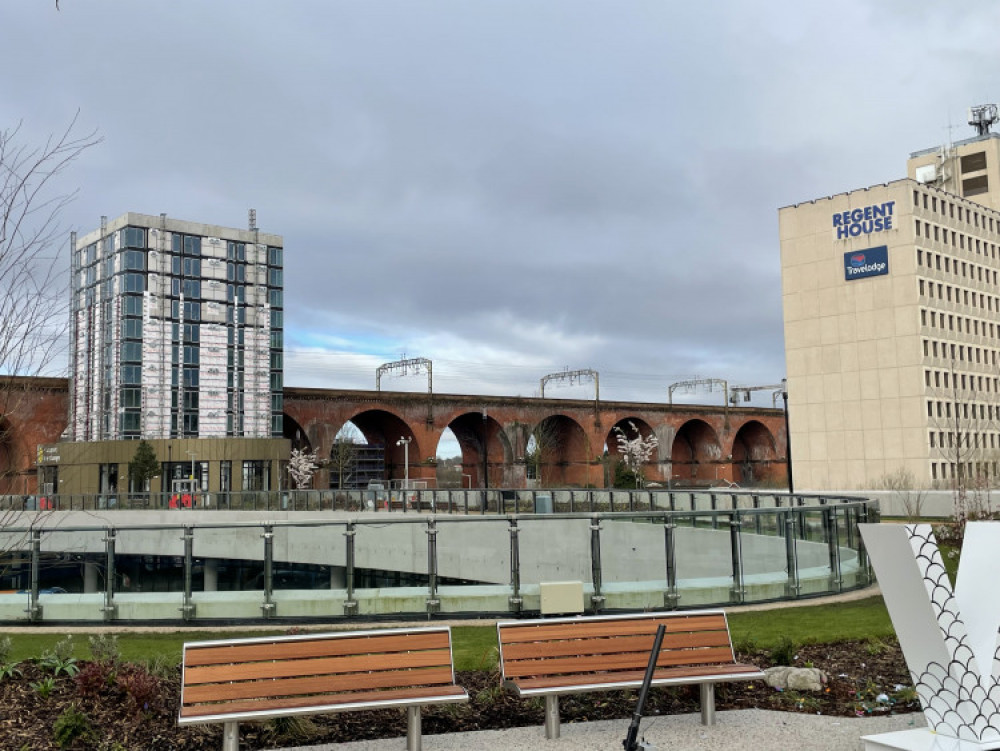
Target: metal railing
[
  {"x": 740, "y": 544},
  {"x": 449, "y": 501}
]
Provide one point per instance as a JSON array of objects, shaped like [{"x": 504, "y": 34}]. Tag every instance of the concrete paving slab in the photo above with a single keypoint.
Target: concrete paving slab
[{"x": 735, "y": 730}]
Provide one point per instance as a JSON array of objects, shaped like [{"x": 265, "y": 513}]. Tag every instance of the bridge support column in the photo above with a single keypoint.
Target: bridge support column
[
  {"x": 211, "y": 575},
  {"x": 338, "y": 577},
  {"x": 90, "y": 570}
]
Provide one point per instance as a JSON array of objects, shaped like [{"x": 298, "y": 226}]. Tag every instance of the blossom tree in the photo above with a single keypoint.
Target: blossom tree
[
  {"x": 635, "y": 451},
  {"x": 301, "y": 466}
]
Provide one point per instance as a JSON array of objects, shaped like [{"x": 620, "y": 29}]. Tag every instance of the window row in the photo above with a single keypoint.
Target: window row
[
  {"x": 962, "y": 411},
  {"x": 963, "y": 470},
  {"x": 954, "y": 210},
  {"x": 966, "y": 269},
  {"x": 963, "y": 381},
  {"x": 958, "y": 240},
  {"x": 963, "y": 441},
  {"x": 959, "y": 352},
  {"x": 970, "y": 298},
  {"x": 947, "y": 321}
]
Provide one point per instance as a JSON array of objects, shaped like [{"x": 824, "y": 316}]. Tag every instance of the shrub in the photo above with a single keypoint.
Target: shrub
[
  {"x": 94, "y": 679},
  {"x": 44, "y": 687},
  {"x": 72, "y": 725},
  {"x": 141, "y": 688},
  {"x": 5, "y": 647},
  {"x": 10, "y": 670},
  {"x": 60, "y": 659},
  {"x": 746, "y": 645},
  {"x": 292, "y": 729},
  {"x": 104, "y": 648},
  {"x": 783, "y": 653},
  {"x": 162, "y": 667}
]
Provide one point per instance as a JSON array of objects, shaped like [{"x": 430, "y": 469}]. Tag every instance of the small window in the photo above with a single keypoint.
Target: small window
[{"x": 974, "y": 162}]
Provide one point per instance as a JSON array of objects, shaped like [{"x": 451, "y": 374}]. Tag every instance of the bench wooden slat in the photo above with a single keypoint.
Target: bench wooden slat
[
  {"x": 634, "y": 678},
  {"x": 315, "y": 685},
  {"x": 518, "y": 632},
  {"x": 334, "y": 646},
  {"x": 316, "y": 666},
  {"x": 327, "y": 703},
  {"x": 625, "y": 661},
  {"x": 613, "y": 645}
]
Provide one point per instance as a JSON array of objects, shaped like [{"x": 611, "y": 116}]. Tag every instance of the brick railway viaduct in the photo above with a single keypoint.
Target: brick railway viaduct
[{"x": 698, "y": 445}]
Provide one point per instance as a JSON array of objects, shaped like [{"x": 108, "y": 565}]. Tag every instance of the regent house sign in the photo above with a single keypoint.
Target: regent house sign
[{"x": 864, "y": 221}]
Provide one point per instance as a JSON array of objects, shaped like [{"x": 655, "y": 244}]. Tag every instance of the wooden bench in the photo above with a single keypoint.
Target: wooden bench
[
  {"x": 554, "y": 656},
  {"x": 258, "y": 679}
]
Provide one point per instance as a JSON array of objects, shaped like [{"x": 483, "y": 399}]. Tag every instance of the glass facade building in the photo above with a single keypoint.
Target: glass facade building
[{"x": 176, "y": 331}]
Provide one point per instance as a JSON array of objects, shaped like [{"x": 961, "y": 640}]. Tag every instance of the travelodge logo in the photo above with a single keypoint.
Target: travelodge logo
[{"x": 870, "y": 262}]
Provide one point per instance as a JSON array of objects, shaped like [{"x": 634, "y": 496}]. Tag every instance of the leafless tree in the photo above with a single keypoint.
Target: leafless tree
[
  {"x": 964, "y": 421},
  {"x": 34, "y": 297},
  {"x": 903, "y": 488},
  {"x": 541, "y": 445},
  {"x": 344, "y": 455}
]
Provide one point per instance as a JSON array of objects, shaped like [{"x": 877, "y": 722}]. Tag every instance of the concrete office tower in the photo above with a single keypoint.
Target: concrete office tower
[
  {"x": 892, "y": 325},
  {"x": 176, "y": 331}
]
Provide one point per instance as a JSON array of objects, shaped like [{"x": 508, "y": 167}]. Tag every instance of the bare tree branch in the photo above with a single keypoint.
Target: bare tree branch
[{"x": 34, "y": 293}]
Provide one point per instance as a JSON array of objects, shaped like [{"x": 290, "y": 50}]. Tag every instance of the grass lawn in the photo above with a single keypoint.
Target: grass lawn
[
  {"x": 816, "y": 624},
  {"x": 475, "y": 646}
]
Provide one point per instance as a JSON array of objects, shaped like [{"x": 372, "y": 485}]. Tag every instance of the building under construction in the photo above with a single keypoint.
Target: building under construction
[{"x": 176, "y": 333}]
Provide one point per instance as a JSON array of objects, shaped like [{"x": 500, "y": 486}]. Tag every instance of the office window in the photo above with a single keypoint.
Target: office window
[
  {"x": 131, "y": 352},
  {"x": 132, "y": 328},
  {"x": 256, "y": 475},
  {"x": 135, "y": 260},
  {"x": 131, "y": 397},
  {"x": 134, "y": 237},
  {"x": 132, "y": 305},
  {"x": 134, "y": 283}
]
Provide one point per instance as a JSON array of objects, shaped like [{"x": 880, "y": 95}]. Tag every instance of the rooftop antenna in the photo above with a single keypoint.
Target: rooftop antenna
[{"x": 982, "y": 116}]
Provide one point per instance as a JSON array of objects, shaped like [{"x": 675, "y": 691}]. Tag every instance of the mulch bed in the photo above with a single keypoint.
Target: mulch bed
[{"x": 128, "y": 709}]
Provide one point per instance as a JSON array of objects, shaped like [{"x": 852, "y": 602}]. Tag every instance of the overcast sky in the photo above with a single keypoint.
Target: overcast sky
[{"x": 506, "y": 188}]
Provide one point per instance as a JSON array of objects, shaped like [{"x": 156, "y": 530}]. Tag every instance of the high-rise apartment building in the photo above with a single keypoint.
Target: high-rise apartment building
[
  {"x": 891, "y": 304},
  {"x": 176, "y": 337},
  {"x": 176, "y": 331}
]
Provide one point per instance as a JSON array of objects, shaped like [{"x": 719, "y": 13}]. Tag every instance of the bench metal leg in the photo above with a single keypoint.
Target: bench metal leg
[
  {"x": 707, "y": 703},
  {"x": 552, "y": 716},
  {"x": 231, "y": 736},
  {"x": 413, "y": 729}
]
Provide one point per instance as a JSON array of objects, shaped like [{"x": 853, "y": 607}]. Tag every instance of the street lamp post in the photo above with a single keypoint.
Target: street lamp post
[
  {"x": 788, "y": 436},
  {"x": 405, "y": 443}
]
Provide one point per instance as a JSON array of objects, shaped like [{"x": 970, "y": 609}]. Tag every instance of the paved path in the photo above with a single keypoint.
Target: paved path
[{"x": 746, "y": 729}]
